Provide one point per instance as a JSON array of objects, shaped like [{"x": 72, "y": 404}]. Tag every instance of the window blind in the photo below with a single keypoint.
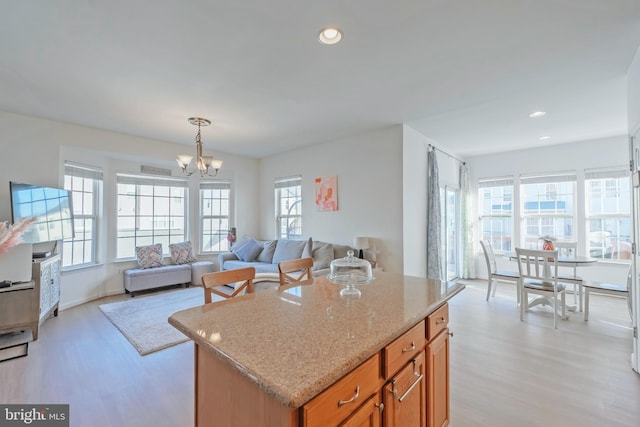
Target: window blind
[
  {"x": 495, "y": 182},
  {"x": 288, "y": 182},
  {"x": 215, "y": 185},
  {"x": 149, "y": 180},
  {"x": 82, "y": 171},
  {"x": 619, "y": 172},
  {"x": 544, "y": 179}
]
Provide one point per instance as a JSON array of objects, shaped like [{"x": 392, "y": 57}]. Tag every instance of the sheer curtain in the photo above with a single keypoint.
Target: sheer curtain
[
  {"x": 468, "y": 270},
  {"x": 434, "y": 220}
]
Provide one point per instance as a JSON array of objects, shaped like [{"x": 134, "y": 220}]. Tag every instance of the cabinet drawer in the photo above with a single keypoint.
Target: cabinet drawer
[
  {"x": 338, "y": 401},
  {"x": 437, "y": 322},
  {"x": 403, "y": 349}
]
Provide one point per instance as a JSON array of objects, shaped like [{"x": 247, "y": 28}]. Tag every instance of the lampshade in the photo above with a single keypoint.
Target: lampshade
[{"x": 361, "y": 243}]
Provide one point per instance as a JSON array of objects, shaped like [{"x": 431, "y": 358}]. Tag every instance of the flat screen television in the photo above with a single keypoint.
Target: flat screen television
[{"x": 51, "y": 206}]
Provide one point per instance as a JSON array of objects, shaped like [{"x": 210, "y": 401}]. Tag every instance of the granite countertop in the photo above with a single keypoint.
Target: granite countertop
[{"x": 295, "y": 343}]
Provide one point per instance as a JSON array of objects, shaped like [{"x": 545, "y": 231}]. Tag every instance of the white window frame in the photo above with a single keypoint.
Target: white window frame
[
  {"x": 289, "y": 189},
  {"x": 612, "y": 247},
  {"x": 136, "y": 236},
  {"x": 85, "y": 184},
  {"x": 490, "y": 184},
  {"x": 550, "y": 180},
  {"x": 209, "y": 191}
]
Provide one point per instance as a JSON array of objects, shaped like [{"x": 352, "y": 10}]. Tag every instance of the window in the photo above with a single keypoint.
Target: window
[
  {"x": 150, "y": 210},
  {"x": 608, "y": 213},
  {"x": 85, "y": 184},
  {"x": 289, "y": 207},
  {"x": 214, "y": 215},
  {"x": 496, "y": 212},
  {"x": 548, "y": 207},
  {"x": 449, "y": 206}
]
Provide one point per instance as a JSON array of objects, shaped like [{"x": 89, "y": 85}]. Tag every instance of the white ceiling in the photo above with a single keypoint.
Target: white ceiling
[{"x": 465, "y": 73}]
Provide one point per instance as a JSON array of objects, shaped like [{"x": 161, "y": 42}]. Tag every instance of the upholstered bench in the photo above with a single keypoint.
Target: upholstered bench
[
  {"x": 199, "y": 268},
  {"x": 139, "y": 279}
]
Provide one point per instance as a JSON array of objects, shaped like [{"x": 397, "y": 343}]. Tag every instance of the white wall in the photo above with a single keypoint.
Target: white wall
[
  {"x": 35, "y": 151},
  {"x": 633, "y": 94},
  {"x": 369, "y": 171},
  {"x": 576, "y": 157}
]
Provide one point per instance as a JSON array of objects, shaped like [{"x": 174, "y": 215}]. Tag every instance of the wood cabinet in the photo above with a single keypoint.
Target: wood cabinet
[
  {"x": 405, "y": 399},
  {"x": 299, "y": 368},
  {"x": 342, "y": 399},
  {"x": 27, "y": 306},
  {"x": 438, "y": 368},
  {"x": 367, "y": 415},
  {"x": 46, "y": 275}
]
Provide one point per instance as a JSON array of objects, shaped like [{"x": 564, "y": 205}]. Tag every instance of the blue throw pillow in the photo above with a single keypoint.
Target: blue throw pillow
[{"x": 247, "y": 249}]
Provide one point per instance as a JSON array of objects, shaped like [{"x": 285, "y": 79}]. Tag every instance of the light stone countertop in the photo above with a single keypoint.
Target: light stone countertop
[{"x": 295, "y": 343}]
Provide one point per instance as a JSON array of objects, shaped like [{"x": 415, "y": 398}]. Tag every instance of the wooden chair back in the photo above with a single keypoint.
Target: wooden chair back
[
  {"x": 218, "y": 283},
  {"x": 295, "y": 270}
]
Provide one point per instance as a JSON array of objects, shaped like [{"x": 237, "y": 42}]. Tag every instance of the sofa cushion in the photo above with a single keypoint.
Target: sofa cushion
[
  {"x": 322, "y": 255},
  {"x": 288, "y": 249},
  {"x": 268, "y": 249},
  {"x": 247, "y": 249},
  {"x": 150, "y": 256},
  {"x": 260, "y": 267},
  {"x": 182, "y": 253}
]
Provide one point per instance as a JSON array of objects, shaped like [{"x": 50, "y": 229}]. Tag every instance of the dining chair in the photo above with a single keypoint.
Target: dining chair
[
  {"x": 539, "y": 276},
  {"x": 614, "y": 289},
  {"x": 228, "y": 283},
  {"x": 494, "y": 274},
  {"x": 569, "y": 249},
  {"x": 295, "y": 270}
]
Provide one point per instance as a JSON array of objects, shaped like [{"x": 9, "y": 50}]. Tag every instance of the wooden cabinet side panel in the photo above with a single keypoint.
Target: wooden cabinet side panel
[
  {"x": 438, "y": 380},
  {"x": 225, "y": 397}
]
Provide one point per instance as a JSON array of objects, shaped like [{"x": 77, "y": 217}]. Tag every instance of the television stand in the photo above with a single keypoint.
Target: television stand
[{"x": 26, "y": 306}]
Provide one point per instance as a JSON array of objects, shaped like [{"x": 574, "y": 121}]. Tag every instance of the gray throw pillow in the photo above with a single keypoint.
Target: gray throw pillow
[
  {"x": 268, "y": 248},
  {"x": 322, "y": 255},
  {"x": 288, "y": 249},
  {"x": 247, "y": 250}
]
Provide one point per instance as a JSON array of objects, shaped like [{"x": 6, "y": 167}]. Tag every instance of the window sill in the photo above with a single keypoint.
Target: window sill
[{"x": 76, "y": 268}]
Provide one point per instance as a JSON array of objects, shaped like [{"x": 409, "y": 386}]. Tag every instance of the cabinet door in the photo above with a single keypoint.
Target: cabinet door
[
  {"x": 367, "y": 415},
  {"x": 438, "y": 380},
  {"x": 54, "y": 294},
  {"x": 45, "y": 287},
  {"x": 405, "y": 396}
]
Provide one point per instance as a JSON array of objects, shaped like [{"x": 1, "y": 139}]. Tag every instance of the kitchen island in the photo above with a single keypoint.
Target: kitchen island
[{"x": 306, "y": 356}]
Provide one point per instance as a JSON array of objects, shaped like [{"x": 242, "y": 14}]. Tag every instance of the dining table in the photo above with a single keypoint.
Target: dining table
[{"x": 566, "y": 261}]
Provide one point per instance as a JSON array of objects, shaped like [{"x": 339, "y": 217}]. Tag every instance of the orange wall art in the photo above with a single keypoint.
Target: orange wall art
[{"x": 327, "y": 193}]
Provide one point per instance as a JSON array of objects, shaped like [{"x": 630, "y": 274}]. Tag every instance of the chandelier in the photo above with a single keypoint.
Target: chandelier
[{"x": 202, "y": 162}]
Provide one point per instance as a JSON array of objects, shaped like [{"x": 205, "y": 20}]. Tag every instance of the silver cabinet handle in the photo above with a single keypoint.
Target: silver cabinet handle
[
  {"x": 440, "y": 321},
  {"x": 379, "y": 406},
  {"x": 406, "y": 393},
  {"x": 450, "y": 334},
  {"x": 413, "y": 347},
  {"x": 353, "y": 399}
]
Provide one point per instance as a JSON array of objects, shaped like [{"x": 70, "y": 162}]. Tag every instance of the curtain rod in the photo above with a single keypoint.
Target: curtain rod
[{"x": 447, "y": 154}]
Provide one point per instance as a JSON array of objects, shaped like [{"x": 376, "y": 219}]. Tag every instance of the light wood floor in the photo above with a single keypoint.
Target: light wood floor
[{"x": 503, "y": 372}]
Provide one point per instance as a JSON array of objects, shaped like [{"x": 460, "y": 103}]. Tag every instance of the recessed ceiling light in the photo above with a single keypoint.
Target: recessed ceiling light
[
  {"x": 544, "y": 138},
  {"x": 330, "y": 35},
  {"x": 537, "y": 114}
]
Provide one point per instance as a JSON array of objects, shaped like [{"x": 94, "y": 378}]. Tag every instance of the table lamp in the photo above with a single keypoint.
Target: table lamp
[{"x": 361, "y": 243}]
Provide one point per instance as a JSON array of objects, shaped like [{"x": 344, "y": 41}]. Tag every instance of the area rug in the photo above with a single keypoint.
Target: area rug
[{"x": 144, "y": 320}]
